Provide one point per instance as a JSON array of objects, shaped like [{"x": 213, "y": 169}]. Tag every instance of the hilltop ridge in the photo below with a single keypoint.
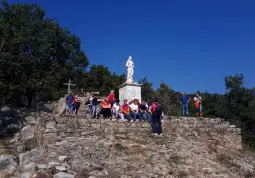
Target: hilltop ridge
[{"x": 51, "y": 145}]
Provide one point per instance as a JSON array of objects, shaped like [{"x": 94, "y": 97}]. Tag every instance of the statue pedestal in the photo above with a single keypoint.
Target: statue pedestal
[{"x": 129, "y": 91}]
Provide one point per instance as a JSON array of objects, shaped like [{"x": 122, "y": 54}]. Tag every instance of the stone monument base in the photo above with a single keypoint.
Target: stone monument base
[{"x": 129, "y": 91}]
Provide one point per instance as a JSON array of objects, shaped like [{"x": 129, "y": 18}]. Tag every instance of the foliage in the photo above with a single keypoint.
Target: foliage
[
  {"x": 240, "y": 106},
  {"x": 37, "y": 55},
  {"x": 169, "y": 99},
  {"x": 100, "y": 79},
  {"x": 147, "y": 90}
]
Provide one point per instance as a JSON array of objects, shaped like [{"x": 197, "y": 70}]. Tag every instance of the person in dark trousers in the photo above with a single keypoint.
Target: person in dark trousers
[
  {"x": 156, "y": 125},
  {"x": 76, "y": 104},
  {"x": 106, "y": 109}
]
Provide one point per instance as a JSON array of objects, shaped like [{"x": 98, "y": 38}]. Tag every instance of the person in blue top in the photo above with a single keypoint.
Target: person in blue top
[
  {"x": 69, "y": 102},
  {"x": 185, "y": 104}
]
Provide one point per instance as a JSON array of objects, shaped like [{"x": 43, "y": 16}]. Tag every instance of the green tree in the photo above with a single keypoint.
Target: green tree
[
  {"x": 147, "y": 91},
  {"x": 102, "y": 80},
  {"x": 169, "y": 100},
  {"x": 241, "y": 107},
  {"x": 37, "y": 55}
]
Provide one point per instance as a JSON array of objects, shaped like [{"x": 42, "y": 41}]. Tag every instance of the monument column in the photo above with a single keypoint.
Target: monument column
[{"x": 130, "y": 90}]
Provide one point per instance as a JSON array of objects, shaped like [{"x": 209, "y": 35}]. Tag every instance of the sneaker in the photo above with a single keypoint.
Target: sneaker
[
  {"x": 161, "y": 134},
  {"x": 154, "y": 134}
]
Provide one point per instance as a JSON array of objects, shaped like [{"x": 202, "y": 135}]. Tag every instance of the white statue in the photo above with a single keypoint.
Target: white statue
[{"x": 130, "y": 70}]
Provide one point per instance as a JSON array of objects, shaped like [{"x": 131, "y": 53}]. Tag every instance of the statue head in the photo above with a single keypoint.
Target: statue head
[{"x": 130, "y": 58}]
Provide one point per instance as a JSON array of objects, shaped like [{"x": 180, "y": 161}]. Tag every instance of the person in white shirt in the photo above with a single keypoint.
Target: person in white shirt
[
  {"x": 198, "y": 104},
  {"x": 116, "y": 108},
  {"x": 134, "y": 111}
]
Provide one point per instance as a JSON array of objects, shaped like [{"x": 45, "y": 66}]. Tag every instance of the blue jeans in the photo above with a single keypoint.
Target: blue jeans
[
  {"x": 96, "y": 111},
  {"x": 69, "y": 107},
  {"x": 185, "y": 109},
  {"x": 134, "y": 115},
  {"x": 145, "y": 116}
]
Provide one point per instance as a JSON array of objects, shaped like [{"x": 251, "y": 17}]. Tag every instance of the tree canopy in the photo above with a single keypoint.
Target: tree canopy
[{"x": 37, "y": 55}]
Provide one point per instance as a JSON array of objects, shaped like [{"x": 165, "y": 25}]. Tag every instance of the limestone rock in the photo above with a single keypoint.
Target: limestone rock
[
  {"x": 63, "y": 175},
  {"x": 40, "y": 175},
  {"x": 25, "y": 175},
  {"x": 45, "y": 107},
  {"x": 60, "y": 106},
  {"x": 31, "y": 119},
  {"x": 188, "y": 148},
  {"x": 51, "y": 125},
  {"x": 52, "y": 164},
  {"x": 25, "y": 158},
  {"x": 7, "y": 164},
  {"x": 62, "y": 158},
  {"x": 30, "y": 167},
  {"x": 41, "y": 166},
  {"x": 61, "y": 168},
  {"x": 28, "y": 132}
]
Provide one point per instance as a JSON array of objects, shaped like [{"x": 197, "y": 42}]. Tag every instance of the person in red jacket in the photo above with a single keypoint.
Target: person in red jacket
[
  {"x": 76, "y": 103},
  {"x": 111, "y": 97},
  {"x": 106, "y": 109},
  {"x": 124, "y": 114}
]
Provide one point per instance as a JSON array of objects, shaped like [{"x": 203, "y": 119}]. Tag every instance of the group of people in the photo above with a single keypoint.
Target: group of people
[
  {"x": 185, "y": 99},
  {"x": 131, "y": 111},
  {"x": 72, "y": 103}
]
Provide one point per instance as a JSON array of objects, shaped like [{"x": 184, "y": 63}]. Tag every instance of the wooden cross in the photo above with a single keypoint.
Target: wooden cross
[{"x": 69, "y": 84}]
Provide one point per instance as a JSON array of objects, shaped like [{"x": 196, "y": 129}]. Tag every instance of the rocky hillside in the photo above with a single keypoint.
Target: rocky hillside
[{"x": 50, "y": 145}]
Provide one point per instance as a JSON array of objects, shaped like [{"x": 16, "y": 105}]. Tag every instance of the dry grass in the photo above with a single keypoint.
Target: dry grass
[
  {"x": 6, "y": 152},
  {"x": 5, "y": 147},
  {"x": 4, "y": 143}
]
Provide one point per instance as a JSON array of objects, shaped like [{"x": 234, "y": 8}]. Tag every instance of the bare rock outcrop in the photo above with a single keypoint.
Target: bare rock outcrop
[{"x": 52, "y": 145}]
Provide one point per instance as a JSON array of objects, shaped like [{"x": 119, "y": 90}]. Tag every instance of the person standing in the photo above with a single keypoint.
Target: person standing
[
  {"x": 76, "y": 104},
  {"x": 198, "y": 105},
  {"x": 69, "y": 102},
  {"x": 156, "y": 124},
  {"x": 185, "y": 104},
  {"x": 111, "y": 97}
]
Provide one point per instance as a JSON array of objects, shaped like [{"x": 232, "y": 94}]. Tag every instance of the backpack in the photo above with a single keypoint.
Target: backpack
[{"x": 159, "y": 110}]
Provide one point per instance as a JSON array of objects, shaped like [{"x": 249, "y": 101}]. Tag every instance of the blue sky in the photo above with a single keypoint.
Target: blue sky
[{"x": 190, "y": 45}]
